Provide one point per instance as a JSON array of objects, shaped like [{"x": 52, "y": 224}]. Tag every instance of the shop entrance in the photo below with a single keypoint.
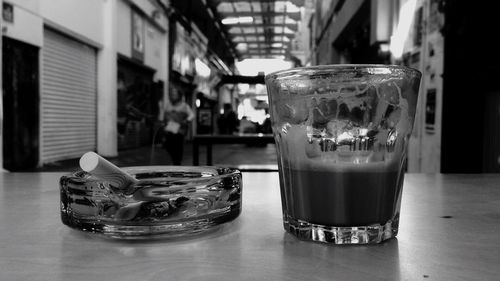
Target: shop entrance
[
  {"x": 20, "y": 105},
  {"x": 138, "y": 100}
]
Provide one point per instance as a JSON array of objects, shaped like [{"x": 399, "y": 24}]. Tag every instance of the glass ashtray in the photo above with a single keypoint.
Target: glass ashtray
[{"x": 166, "y": 201}]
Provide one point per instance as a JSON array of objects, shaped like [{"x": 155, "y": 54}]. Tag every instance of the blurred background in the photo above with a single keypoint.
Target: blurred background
[{"x": 96, "y": 75}]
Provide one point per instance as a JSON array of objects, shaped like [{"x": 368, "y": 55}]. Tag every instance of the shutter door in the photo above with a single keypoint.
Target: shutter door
[{"x": 68, "y": 98}]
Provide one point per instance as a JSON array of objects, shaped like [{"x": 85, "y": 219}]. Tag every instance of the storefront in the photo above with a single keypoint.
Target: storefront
[
  {"x": 185, "y": 47},
  {"x": 68, "y": 97},
  {"x": 138, "y": 99},
  {"x": 141, "y": 73},
  {"x": 60, "y": 74},
  {"x": 20, "y": 104},
  {"x": 49, "y": 82}
]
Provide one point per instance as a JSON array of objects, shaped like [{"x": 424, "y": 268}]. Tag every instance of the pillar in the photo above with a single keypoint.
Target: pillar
[{"x": 107, "y": 134}]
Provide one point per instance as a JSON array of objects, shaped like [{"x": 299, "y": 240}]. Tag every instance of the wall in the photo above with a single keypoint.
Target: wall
[
  {"x": 81, "y": 17},
  {"x": 31, "y": 29},
  {"x": 146, "y": 6},
  {"x": 330, "y": 24},
  {"x": 124, "y": 21},
  {"x": 303, "y": 35},
  {"x": 69, "y": 16},
  {"x": 424, "y": 50},
  {"x": 155, "y": 55},
  {"x": 1, "y": 101},
  {"x": 381, "y": 20},
  {"x": 470, "y": 88}
]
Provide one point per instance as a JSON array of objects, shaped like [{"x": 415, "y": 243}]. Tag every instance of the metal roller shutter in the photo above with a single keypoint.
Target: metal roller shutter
[{"x": 68, "y": 98}]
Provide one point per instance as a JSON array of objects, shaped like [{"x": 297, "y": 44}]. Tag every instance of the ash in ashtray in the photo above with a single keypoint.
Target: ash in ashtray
[{"x": 151, "y": 211}]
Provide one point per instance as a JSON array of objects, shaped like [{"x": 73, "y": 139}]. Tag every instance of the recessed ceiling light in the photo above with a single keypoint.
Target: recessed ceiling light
[{"x": 237, "y": 20}]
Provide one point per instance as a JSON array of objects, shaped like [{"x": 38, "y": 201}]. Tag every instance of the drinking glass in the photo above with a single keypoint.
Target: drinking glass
[{"x": 341, "y": 134}]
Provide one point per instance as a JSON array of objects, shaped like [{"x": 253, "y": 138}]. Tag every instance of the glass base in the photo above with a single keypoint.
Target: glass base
[
  {"x": 371, "y": 234},
  {"x": 165, "y": 202},
  {"x": 157, "y": 230}
]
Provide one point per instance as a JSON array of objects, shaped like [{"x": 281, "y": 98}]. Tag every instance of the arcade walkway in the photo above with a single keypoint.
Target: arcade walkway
[{"x": 227, "y": 155}]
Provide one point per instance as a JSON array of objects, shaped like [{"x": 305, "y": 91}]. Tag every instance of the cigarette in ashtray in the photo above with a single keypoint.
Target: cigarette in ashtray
[
  {"x": 117, "y": 178},
  {"x": 101, "y": 168}
]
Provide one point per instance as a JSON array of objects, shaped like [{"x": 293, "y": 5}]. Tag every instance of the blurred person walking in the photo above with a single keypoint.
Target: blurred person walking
[{"x": 178, "y": 115}]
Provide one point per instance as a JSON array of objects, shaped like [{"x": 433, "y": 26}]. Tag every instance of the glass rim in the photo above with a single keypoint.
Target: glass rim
[{"x": 339, "y": 68}]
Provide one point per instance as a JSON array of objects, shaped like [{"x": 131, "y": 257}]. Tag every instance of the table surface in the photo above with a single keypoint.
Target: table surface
[{"x": 449, "y": 230}]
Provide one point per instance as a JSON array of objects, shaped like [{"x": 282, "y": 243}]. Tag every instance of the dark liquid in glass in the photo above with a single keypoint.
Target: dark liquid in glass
[{"x": 341, "y": 198}]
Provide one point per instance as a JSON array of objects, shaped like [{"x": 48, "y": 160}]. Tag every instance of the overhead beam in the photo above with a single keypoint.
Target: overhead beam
[
  {"x": 265, "y": 53},
  {"x": 292, "y": 26},
  {"x": 237, "y": 79},
  {"x": 256, "y": 52},
  {"x": 266, "y": 47},
  {"x": 217, "y": 2},
  {"x": 263, "y": 56},
  {"x": 265, "y": 41},
  {"x": 289, "y": 35},
  {"x": 294, "y": 16},
  {"x": 253, "y": 50},
  {"x": 298, "y": 3}
]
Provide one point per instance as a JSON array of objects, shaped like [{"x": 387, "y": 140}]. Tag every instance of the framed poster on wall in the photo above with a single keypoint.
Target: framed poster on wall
[{"x": 138, "y": 36}]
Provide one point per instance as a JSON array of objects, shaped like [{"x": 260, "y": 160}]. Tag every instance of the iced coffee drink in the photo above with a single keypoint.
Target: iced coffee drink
[{"x": 341, "y": 133}]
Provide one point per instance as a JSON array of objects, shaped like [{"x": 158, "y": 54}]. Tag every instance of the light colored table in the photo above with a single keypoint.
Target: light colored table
[{"x": 450, "y": 230}]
